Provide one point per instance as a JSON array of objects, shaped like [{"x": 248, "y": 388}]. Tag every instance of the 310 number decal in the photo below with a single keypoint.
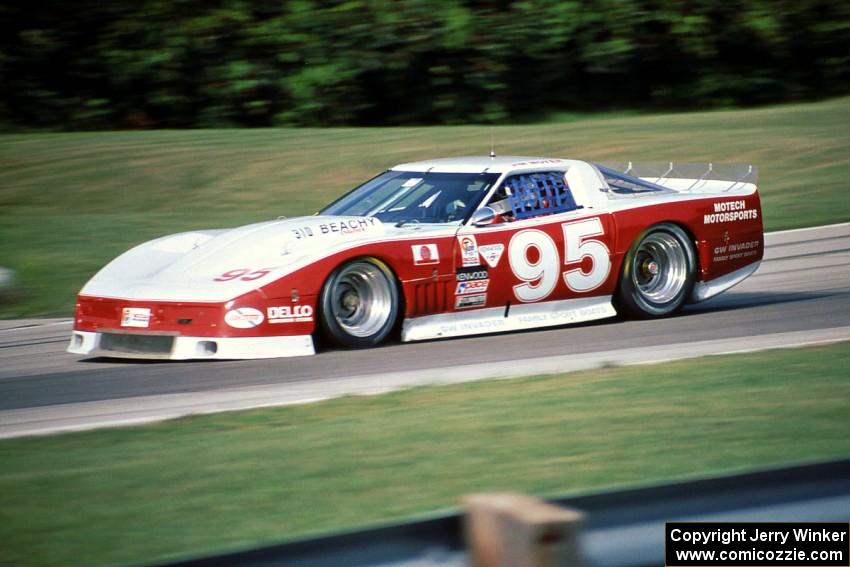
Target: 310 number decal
[{"x": 540, "y": 275}]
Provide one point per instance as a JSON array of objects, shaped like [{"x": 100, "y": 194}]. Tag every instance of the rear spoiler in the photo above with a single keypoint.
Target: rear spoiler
[{"x": 677, "y": 175}]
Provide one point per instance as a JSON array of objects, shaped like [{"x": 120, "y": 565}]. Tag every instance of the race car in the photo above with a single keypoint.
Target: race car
[{"x": 434, "y": 249}]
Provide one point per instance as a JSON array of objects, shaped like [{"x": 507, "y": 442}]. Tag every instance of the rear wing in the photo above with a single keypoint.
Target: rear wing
[{"x": 693, "y": 177}]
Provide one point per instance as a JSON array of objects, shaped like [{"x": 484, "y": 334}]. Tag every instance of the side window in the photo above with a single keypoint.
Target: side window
[{"x": 534, "y": 194}]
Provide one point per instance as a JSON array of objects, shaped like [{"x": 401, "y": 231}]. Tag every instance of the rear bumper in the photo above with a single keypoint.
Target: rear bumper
[{"x": 175, "y": 347}]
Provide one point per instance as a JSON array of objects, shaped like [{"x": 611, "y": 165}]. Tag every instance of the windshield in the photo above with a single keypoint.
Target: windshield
[{"x": 408, "y": 196}]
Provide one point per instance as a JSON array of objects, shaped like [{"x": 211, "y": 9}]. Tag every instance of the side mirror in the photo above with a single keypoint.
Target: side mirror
[{"x": 483, "y": 217}]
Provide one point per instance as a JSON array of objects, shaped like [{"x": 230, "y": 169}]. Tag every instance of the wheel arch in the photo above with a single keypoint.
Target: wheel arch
[
  {"x": 389, "y": 265},
  {"x": 623, "y": 270},
  {"x": 383, "y": 262},
  {"x": 623, "y": 251}
]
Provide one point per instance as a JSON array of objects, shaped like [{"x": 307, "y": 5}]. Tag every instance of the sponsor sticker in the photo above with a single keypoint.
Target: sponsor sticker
[
  {"x": 467, "y": 301},
  {"x": 472, "y": 274},
  {"x": 425, "y": 254},
  {"x": 290, "y": 314},
  {"x": 244, "y": 318},
  {"x": 469, "y": 250},
  {"x": 491, "y": 253},
  {"x": 730, "y": 211},
  {"x": 537, "y": 162},
  {"x": 135, "y": 317},
  {"x": 736, "y": 251},
  {"x": 348, "y": 225},
  {"x": 343, "y": 226},
  {"x": 466, "y": 288}
]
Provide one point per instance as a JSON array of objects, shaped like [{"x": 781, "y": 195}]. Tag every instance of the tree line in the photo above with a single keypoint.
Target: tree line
[{"x": 89, "y": 64}]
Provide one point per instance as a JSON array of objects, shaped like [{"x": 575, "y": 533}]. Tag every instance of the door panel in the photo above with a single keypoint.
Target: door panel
[{"x": 562, "y": 256}]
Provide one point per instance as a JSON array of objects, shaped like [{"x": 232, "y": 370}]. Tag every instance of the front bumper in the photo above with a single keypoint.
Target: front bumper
[{"x": 120, "y": 344}]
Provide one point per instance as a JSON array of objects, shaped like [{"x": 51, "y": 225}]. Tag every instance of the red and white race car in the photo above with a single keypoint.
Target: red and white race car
[{"x": 438, "y": 248}]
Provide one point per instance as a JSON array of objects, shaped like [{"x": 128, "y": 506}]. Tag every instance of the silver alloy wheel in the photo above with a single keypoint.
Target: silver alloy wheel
[
  {"x": 660, "y": 268},
  {"x": 361, "y": 300}
]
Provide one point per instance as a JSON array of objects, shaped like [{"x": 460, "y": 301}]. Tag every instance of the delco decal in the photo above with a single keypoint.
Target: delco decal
[
  {"x": 135, "y": 317},
  {"x": 491, "y": 253},
  {"x": 290, "y": 314},
  {"x": 468, "y": 250},
  {"x": 425, "y": 254},
  {"x": 730, "y": 211},
  {"x": 467, "y": 301},
  {"x": 243, "y": 318},
  {"x": 472, "y": 274},
  {"x": 466, "y": 288}
]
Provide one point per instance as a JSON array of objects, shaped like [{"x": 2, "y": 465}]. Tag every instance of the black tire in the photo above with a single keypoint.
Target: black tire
[
  {"x": 359, "y": 303},
  {"x": 658, "y": 273}
]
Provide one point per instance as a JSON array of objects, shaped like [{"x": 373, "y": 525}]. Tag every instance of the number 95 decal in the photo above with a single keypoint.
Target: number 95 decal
[
  {"x": 540, "y": 276},
  {"x": 242, "y": 274}
]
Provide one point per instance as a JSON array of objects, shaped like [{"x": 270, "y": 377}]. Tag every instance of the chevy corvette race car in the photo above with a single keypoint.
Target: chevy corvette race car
[{"x": 434, "y": 249}]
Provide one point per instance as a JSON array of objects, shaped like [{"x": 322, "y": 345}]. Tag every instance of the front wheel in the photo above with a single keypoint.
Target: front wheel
[
  {"x": 359, "y": 303},
  {"x": 658, "y": 272}
]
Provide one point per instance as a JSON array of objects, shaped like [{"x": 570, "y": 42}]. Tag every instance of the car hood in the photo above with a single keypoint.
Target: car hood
[{"x": 218, "y": 265}]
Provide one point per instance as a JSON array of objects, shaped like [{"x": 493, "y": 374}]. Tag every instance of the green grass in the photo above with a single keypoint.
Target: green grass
[
  {"x": 209, "y": 483},
  {"x": 70, "y": 202}
]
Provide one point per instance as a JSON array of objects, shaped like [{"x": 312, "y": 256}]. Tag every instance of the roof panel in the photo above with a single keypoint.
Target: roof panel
[{"x": 477, "y": 164}]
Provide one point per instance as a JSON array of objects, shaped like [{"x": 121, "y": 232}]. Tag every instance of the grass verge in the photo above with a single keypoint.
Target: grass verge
[
  {"x": 71, "y": 202},
  {"x": 207, "y": 483}
]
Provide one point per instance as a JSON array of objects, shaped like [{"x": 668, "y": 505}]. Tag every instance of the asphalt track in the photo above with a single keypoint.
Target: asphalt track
[{"x": 799, "y": 295}]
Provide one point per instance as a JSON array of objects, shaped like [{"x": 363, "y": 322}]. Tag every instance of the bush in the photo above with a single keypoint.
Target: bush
[{"x": 180, "y": 63}]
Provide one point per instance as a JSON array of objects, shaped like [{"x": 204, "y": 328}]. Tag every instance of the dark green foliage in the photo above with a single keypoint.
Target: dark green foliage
[{"x": 178, "y": 63}]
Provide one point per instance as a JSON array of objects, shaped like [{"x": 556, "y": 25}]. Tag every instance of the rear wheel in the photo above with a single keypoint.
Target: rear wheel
[
  {"x": 359, "y": 303},
  {"x": 658, "y": 272}
]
